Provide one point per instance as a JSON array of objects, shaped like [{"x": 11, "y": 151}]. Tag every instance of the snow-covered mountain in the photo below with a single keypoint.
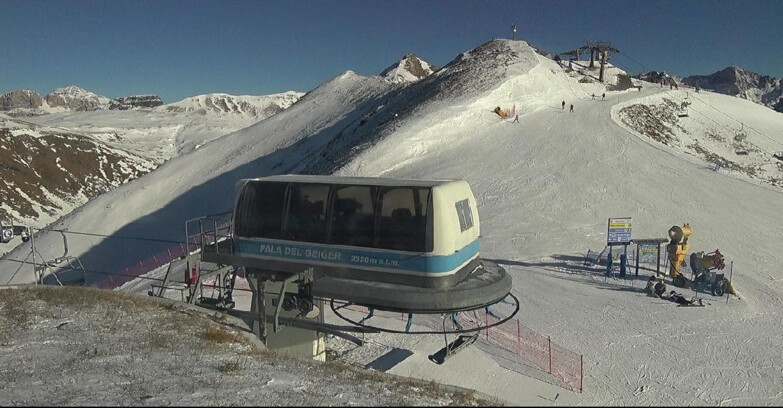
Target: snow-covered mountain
[
  {"x": 76, "y": 99},
  {"x": 408, "y": 69},
  {"x": 220, "y": 103},
  {"x": 545, "y": 188},
  {"x": 136, "y": 140}
]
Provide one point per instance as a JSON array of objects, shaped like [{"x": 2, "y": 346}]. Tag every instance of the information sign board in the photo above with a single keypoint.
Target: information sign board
[{"x": 619, "y": 231}]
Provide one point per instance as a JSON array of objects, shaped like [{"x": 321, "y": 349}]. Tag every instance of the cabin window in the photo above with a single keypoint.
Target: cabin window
[
  {"x": 260, "y": 210},
  {"x": 402, "y": 224},
  {"x": 306, "y": 216},
  {"x": 353, "y": 212},
  {"x": 465, "y": 215}
]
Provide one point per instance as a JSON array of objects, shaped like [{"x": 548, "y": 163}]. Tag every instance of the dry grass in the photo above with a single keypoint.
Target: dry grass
[
  {"x": 14, "y": 308},
  {"x": 169, "y": 328},
  {"x": 230, "y": 367},
  {"x": 220, "y": 335},
  {"x": 464, "y": 398}
]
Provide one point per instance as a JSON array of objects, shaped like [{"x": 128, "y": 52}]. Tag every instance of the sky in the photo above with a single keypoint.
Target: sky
[{"x": 178, "y": 49}]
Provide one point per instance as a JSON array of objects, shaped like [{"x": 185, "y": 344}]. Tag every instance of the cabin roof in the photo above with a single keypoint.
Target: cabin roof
[{"x": 373, "y": 181}]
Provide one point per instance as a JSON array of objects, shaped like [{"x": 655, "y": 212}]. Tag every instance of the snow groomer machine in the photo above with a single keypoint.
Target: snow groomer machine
[{"x": 363, "y": 246}]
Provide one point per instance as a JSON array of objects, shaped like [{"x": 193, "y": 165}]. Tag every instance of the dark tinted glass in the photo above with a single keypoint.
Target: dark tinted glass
[
  {"x": 402, "y": 224},
  {"x": 465, "y": 215},
  {"x": 260, "y": 210},
  {"x": 306, "y": 220},
  {"x": 353, "y": 216}
]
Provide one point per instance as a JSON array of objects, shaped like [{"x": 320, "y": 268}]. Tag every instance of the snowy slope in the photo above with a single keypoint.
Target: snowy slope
[
  {"x": 141, "y": 139},
  {"x": 545, "y": 188}
]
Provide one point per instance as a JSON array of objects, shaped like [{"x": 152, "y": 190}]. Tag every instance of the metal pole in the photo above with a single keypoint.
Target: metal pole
[
  {"x": 519, "y": 340},
  {"x": 637, "y": 259},
  {"x": 486, "y": 323},
  {"x": 658, "y": 265},
  {"x": 549, "y": 339},
  {"x": 32, "y": 246},
  {"x": 261, "y": 284}
]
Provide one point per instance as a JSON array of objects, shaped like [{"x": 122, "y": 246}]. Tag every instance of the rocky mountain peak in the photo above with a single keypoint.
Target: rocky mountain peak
[
  {"x": 408, "y": 69},
  {"x": 77, "y": 99},
  {"x": 737, "y": 81}
]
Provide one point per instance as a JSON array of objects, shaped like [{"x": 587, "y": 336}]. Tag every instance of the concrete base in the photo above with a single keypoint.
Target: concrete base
[{"x": 292, "y": 341}]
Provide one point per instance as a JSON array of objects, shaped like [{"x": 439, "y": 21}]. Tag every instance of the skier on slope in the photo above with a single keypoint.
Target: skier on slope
[{"x": 562, "y": 105}]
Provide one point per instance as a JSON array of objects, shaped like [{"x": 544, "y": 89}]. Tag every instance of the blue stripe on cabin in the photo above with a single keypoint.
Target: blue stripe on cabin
[{"x": 357, "y": 258}]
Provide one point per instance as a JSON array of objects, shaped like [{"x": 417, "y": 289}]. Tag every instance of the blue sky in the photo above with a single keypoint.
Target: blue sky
[{"x": 178, "y": 49}]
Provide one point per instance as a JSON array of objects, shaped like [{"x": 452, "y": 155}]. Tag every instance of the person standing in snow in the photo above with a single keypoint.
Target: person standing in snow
[
  {"x": 562, "y": 105},
  {"x": 593, "y": 96},
  {"x": 516, "y": 119},
  {"x": 603, "y": 95},
  {"x": 572, "y": 107}
]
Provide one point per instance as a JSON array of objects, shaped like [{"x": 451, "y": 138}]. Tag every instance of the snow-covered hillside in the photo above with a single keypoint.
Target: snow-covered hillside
[
  {"x": 546, "y": 187},
  {"x": 253, "y": 106},
  {"x": 47, "y": 171},
  {"x": 140, "y": 139}
]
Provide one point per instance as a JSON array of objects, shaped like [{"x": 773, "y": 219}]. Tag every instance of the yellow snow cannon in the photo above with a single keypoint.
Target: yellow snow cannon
[{"x": 678, "y": 248}]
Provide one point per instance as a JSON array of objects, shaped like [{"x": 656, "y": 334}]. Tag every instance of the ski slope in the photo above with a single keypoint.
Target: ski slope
[{"x": 545, "y": 188}]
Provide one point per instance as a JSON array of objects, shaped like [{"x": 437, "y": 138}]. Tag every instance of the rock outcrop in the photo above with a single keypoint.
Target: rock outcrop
[
  {"x": 22, "y": 99},
  {"x": 136, "y": 101}
]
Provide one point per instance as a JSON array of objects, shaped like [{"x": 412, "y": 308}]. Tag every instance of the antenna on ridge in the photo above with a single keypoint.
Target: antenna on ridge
[{"x": 514, "y": 32}]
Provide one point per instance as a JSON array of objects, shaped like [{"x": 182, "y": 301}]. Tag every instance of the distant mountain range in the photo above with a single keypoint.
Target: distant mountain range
[
  {"x": 735, "y": 81},
  {"x": 54, "y": 160},
  {"x": 72, "y": 98}
]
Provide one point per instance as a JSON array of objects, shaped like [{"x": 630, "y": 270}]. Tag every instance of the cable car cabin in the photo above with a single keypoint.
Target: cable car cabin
[{"x": 391, "y": 244}]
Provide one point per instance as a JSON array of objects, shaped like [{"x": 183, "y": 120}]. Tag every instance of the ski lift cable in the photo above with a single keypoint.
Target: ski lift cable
[
  {"x": 723, "y": 125},
  {"x": 25, "y": 262},
  {"x": 625, "y": 54},
  {"x": 97, "y": 272},
  {"x": 166, "y": 241},
  {"x": 740, "y": 122}
]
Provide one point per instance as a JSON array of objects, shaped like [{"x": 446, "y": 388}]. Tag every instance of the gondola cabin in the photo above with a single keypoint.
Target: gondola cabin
[{"x": 378, "y": 241}]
